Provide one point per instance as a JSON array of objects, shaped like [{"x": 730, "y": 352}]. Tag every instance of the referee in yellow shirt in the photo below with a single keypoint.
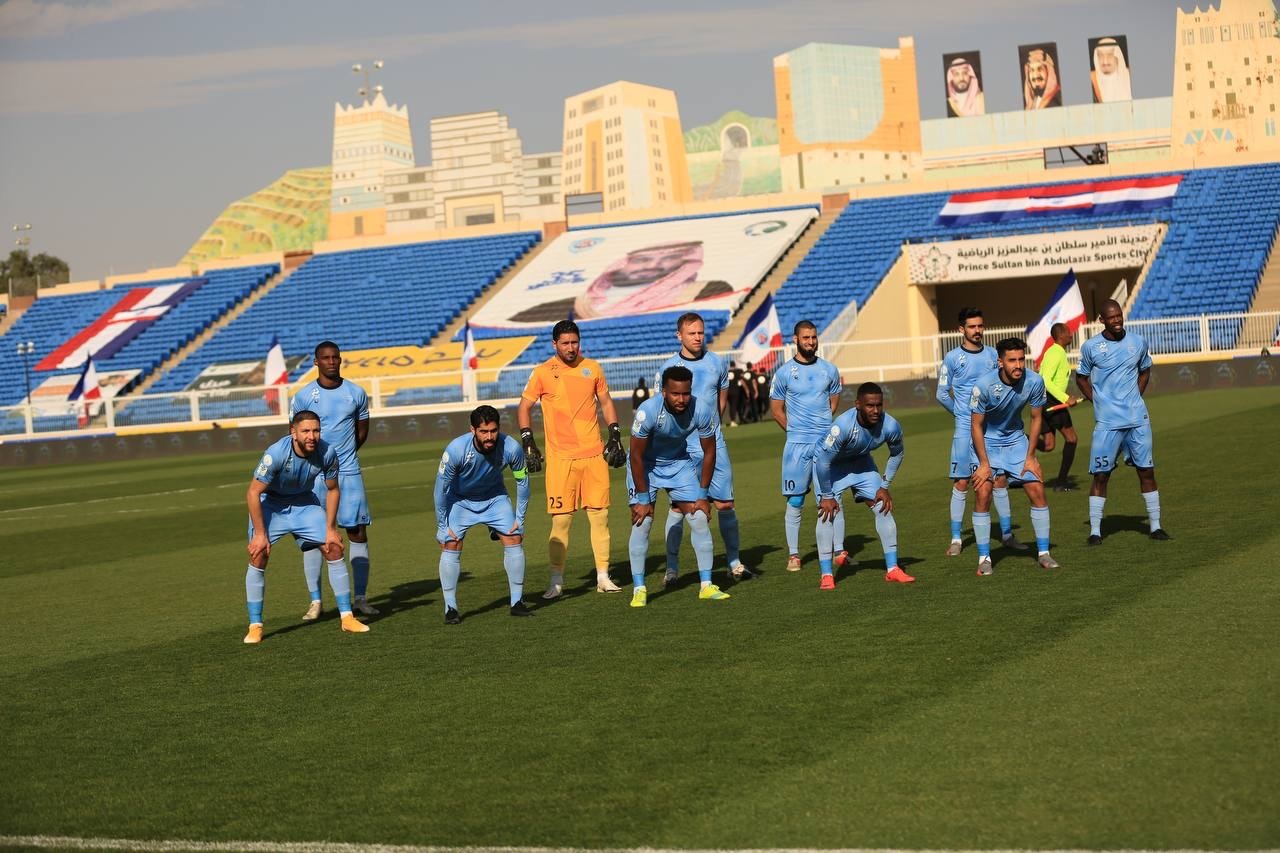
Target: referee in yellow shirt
[
  {"x": 568, "y": 386},
  {"x": 1056, "y": 372}
]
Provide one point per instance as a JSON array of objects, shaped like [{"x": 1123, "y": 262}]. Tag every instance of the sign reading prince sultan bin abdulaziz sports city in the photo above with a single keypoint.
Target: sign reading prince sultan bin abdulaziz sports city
[
  {"x": 1030, "y": 254},
  {"x": 597, "y": 273}
]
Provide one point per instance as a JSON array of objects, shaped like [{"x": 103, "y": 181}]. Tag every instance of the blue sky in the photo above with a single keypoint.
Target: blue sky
[{"x": 128, "y": 125}]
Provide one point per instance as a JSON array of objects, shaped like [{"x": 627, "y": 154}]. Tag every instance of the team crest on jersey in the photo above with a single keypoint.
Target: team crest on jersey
[
  {"x": 960, "y": 364},
  {"x": 795, "y": 372},
  {"x": 264, "y": 465},
  {"x": 586, "y": 371},
  {"x": 1102, "y": 346}
]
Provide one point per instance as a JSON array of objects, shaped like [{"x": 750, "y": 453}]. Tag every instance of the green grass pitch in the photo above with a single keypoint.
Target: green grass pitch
[{"x": 1130, "y": 699}]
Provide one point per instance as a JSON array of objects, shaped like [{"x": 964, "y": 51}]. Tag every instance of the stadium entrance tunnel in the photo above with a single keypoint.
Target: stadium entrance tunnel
[{"x": 1020, "y": 301}]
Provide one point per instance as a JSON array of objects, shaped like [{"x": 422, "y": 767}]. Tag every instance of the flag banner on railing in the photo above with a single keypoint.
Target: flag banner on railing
[
  {"x": 1089, "y": 198},
  {"x": 137, "y": 309},
  {"x": 1065, "y": 306},
  {"x": 277, "y": 373},
  {"x": 762, "y": 335}
]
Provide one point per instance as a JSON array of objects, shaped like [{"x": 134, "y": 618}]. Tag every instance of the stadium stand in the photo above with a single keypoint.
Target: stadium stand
[
  {"x": 366, "y": 298},
  {"x": 1222, "y": 224},
  {"x": 730, "y": 250},
  {"x": 51, "y": 321}
]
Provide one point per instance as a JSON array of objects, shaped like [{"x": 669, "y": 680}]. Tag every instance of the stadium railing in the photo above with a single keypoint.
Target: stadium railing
[{"x": 859, "y": 361}]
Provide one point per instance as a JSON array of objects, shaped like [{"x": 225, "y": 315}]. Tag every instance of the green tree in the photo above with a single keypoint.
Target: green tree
[{"x": 21, "y": 274}]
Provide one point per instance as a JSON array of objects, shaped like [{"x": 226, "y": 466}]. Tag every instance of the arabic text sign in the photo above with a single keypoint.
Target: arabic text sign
[
  {"x": 443, "y": 362},
  {"x": 1030, "y": 254}
]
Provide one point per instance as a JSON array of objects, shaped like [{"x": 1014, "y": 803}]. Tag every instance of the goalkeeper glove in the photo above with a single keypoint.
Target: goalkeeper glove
[
  {"x": 613, "y": 452},
  {"x": 531, "y": 454}
]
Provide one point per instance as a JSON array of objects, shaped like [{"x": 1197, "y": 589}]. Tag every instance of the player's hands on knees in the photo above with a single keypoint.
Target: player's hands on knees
[
  {"x": 883, "y": 497},
  {"x": 332, "y": 549},
  {"x": 980, "y": 476},
  {"x": 639, "y": 512},
  {"x": 517, "y": 529},
  {"x": 532, "y": 456},
  {"x": 704, "y": 505},
  {"x": 827, "y": 509},
  {"x": 259, "y": 549}
]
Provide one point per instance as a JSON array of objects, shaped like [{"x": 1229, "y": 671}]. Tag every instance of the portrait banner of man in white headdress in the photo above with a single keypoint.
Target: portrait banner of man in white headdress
[
  {"x": 1109, "y": 69},
  {"x": 962, "y": 75},
  {"x": 1041, "y": 83}
]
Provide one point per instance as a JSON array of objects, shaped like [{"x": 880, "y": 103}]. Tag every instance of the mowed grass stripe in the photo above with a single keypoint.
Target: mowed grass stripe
[{"x": 611, "y": 727}]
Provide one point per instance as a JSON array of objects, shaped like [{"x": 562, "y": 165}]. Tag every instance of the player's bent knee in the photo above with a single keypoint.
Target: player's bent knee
[
  {"x": 511, "y": 540},
  {"x": 332, "y": 553},
  {"x": 796, "y": 501},
  {"x": 451, "y": 545},
  {"x": 724, "y": 505}
]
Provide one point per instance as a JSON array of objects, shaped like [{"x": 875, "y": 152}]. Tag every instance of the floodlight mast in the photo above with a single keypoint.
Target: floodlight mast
[{"x": 368, "y": 90}]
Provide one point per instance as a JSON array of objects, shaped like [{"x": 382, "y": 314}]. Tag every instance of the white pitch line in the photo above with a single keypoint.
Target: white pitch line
[
  {"x": 68, "y": 842},
  {"x": 95, "y": 500}
]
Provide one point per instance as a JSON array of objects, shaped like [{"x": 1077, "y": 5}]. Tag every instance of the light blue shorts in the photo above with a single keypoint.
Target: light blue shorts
[
  {"x": 1008, "y": 459},
  {"x": 861, "y": 476},
  {"x": 721, "y": 488},
  {"x": 680, "y": 481},
  {"x": 1136, "y": 443},
  {"x": 797, "y": 468},
  {"x": 305, "y": 519},
  {"x": 496, "y": 513},
  {"x": 964, "y": 461},
  {"x": 353, "y": 506}
]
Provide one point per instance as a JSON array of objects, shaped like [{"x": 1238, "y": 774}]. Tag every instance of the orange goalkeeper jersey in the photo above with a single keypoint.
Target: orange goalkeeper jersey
[{"x": 568, "y": 396}]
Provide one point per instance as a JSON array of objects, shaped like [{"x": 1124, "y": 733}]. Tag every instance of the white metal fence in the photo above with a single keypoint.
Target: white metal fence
[{"x": 859, "y": 361}]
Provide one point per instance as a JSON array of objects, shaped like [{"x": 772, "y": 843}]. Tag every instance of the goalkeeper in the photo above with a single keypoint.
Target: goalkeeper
[{"x": 569, "y": 387}]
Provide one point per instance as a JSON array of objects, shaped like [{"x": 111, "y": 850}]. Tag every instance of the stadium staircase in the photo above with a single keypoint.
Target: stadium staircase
[
  {"x": 454, "y": 329},
  {"x": 199, "y": 340},
  {"x": 781, "y": 271},
  {"x": 1267, "y": 296},
  {"x": 1141, "y": 279}
]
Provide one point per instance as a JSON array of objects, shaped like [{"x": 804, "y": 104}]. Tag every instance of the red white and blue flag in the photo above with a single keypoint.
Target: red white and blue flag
[
  {"x": 87, "y": 390},
  {"x": 275, "y": 373},
  {"x": 760, "y": 342},
  {"x": 469, "y": 360},
  {"x": 1089, "y": 198},
  {"x": 1065, "y": 306},
  {"x": 137, "y": 309}
]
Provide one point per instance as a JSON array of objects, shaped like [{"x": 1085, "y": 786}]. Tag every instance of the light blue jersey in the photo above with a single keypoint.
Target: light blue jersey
[
  {"x": 467, "y": 475},
  {"x": 710, "y": 377},
  {"x": 1113, "y": 367},
  {"x": 339, "y": 410},
  {"x": 961, "y": 368},
  {"x": 847, "y": 448},
  {"x": 806, "y": 390},
  {"x": 291, "y": 477},
  {"x": 1002, "y": 406},
  {"x": 669, "y": 433}
]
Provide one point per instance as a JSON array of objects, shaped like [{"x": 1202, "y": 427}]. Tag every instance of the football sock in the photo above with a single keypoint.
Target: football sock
[
  {"x": 1152, "y": 500},
  {"x": 599, "y": 521},
  {"x": 513, "y": 562},
  {"x": 450, "y": 569},
  {"x": 792, "y": 523},
  {"x": 638, "y": 548},
  {"x": 887, "y": 530},
  {"x": 982, "y": 533},
  {"x": 359, "y": 566},
  {"x": 1068, "y": 456},
  {"x": 312, "y": 563},
  {"x": 837, "y": 531},
  {"x": 558, "y": 545},
  {"x": 255, "y": 587},
  {"x": 958, "y": 500},
  {"x": 1095, "y": 515},
  {"x": 1000, "y": 497},
  {"x": 729, "y": 533},
  {"x": 673, "y": 533},
  {"x": 1040, "y": 522},
  {"x": 341, "y": 583},
  {"x": 825, "y": 533},
  {"x": 703, "y": 548}
]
